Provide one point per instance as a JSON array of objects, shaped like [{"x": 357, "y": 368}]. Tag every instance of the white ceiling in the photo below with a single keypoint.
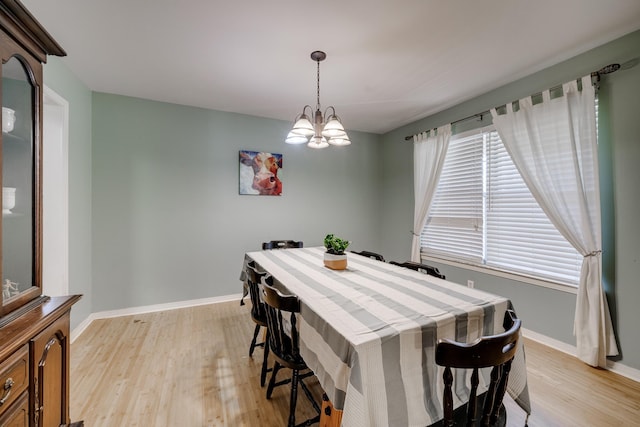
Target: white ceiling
[{"x": 388, "y": 63}]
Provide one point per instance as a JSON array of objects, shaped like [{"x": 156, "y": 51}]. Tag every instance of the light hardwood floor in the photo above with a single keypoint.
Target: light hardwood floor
[{"x": 190, "y": 368}]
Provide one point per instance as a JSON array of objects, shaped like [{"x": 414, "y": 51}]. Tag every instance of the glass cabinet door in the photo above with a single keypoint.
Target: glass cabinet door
[{"x": 19, "y": 182}]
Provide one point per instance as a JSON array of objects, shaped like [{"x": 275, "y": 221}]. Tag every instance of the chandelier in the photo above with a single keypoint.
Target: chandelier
[{"x": 325, "y": 129}]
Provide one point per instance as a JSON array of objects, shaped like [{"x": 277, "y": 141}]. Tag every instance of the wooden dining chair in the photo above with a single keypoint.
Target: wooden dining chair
[
  {"x": 370, "y": 254},
  {"x": 423, "y": 268},
  {"x": 284, "y": 344},
  {"x": 281, "y": 244},
  {"x": 496, "y": 351},
  {"x": 259, "y": 316}
]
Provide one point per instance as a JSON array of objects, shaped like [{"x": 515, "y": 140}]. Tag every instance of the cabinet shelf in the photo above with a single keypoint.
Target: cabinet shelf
[
  {"x": 12, "y": 215},
  {"x": 10, "y": 136}
]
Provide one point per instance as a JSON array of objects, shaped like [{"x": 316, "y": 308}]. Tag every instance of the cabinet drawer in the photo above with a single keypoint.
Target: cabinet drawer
[
  {"x": 17, "y": 415},
  {"x": 14, "y": 377}
]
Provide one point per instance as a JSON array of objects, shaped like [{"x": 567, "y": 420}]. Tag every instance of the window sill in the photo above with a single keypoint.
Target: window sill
[{"x": 507, "y": 275}]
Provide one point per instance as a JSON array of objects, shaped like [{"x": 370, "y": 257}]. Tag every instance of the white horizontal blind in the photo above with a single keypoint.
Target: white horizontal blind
[
  {"x": 483, "y": 213},
  {"x": 520, "y": 237},
  {"x": 454, "y": 223}
]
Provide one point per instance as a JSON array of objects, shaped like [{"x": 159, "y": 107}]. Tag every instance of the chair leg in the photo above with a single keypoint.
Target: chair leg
[
  {"x": 272, "y": 381},
  {"x": 253, "y": 341},
  {"x": 293, "y": 399},
  {"x": 265, "y": 363},
  {"x": 307, "y": 392}
]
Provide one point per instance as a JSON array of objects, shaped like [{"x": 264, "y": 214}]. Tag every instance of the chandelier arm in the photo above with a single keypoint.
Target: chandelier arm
[
  {"x": 310, "y": 110},
  {"x": 326, "y": 112}
]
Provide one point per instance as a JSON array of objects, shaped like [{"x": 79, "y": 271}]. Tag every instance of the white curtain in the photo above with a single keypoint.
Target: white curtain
[
  {"x": 554, "y": 146},
  {"x": 429, "y": 151}
]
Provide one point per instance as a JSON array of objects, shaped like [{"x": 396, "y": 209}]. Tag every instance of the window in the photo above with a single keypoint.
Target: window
[{"x": 483, "y": 214}]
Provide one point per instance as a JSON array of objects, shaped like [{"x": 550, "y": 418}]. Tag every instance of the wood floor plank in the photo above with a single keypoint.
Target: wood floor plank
[
  {"x": 191, "y": 368},
  {"x": 567, "y": 392}
]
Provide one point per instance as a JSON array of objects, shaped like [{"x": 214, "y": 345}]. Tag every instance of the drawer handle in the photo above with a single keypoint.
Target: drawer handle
[{"x": 7, "y": 390}]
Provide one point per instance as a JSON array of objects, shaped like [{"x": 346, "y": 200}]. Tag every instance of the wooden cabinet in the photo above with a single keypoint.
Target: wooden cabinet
[
  {"x": 34, "y": 329},
  {"x": 34, "y": 361}
]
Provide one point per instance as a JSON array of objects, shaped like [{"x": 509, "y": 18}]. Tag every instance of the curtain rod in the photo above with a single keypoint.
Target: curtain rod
[{"x": 595, "y": 74}]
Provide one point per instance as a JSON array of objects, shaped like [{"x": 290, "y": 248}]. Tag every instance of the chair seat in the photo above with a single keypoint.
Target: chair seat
[
  {"x": 260, "y": 320},
  {"x": 460, "y": 415},
  {"x": 290, "y": 361}
]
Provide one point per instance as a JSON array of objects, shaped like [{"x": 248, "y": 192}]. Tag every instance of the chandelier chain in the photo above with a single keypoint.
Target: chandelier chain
[{"x": 318, "y": 87}]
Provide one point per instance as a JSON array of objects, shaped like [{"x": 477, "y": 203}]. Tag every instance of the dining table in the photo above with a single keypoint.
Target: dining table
[{"x": 369, "y": 334}]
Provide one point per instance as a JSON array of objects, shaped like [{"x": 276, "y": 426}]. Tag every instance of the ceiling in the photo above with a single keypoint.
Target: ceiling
[{"x": 388, "y": 63}]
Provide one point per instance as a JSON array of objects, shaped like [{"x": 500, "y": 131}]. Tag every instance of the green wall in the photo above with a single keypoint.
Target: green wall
[
  {"x": 155, "y": 214},
  {"x": 58, "y": 78},
  {"x": 544, "y": 310},
  {"x": 168, "y": 222}
]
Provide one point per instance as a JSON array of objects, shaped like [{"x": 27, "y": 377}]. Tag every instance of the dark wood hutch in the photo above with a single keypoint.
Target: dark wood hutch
[{"x": 34, "y": 328}]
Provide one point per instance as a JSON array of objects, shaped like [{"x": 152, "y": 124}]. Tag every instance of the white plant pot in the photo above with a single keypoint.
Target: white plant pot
[{"x": 335, "y": 262}]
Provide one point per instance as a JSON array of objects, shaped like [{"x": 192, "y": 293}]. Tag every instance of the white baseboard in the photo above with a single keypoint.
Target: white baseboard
[
  {"x": 624, "y": 370},
  {"x": 550, "y": 342},
  {"x": 78, "y": 330},
  {"x": 617, "y": 367}
]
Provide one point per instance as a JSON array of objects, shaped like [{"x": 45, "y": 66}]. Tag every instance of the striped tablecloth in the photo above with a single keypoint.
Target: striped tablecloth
[{"x": 369, "y": 334}]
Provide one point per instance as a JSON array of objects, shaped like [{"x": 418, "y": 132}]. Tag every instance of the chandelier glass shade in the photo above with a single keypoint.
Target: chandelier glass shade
[{"x": 316, "y": 129}]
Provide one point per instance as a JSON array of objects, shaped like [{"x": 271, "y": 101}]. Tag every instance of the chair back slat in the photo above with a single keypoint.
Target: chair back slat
[
  {"x": 258, "y": 310},
  {"x": 282, "y": 244},
  {"x": 502, "y": 388},
  {"x": 496, "y": 351}
]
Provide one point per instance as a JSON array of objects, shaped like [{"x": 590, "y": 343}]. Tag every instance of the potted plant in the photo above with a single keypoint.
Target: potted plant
[{"x": 334, "y": 257}]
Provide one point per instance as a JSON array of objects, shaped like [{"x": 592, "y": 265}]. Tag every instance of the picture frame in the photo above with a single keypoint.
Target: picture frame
[{"x": 260, "y": 173}]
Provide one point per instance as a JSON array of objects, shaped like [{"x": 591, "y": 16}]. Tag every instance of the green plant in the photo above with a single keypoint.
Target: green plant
[{"x": 335, "y": 245}]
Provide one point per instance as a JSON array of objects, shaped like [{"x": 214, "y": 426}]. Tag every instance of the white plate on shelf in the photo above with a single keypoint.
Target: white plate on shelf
[{"x": 8, "y": 119}]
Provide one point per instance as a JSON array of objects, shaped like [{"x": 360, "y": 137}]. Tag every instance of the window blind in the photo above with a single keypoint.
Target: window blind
[
  {"x": 455, "y": 220},
  {"x": 484, "y": 213},
  {"x": 520, "y": 237}
]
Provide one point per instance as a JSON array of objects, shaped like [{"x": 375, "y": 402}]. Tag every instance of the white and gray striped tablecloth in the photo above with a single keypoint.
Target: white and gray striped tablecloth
[{"x": 369, "y": 334}]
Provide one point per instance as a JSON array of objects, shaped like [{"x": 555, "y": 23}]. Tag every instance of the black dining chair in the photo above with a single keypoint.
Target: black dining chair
[
  {"x": 282, "y": 244},
  {"x": 496, "y": 351},
  {"x": 284, "y": 344},
  {"x": 259, "y": 316},
  {"x": 423, "y": 268},
  {"x": 370, "y": 254}
]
